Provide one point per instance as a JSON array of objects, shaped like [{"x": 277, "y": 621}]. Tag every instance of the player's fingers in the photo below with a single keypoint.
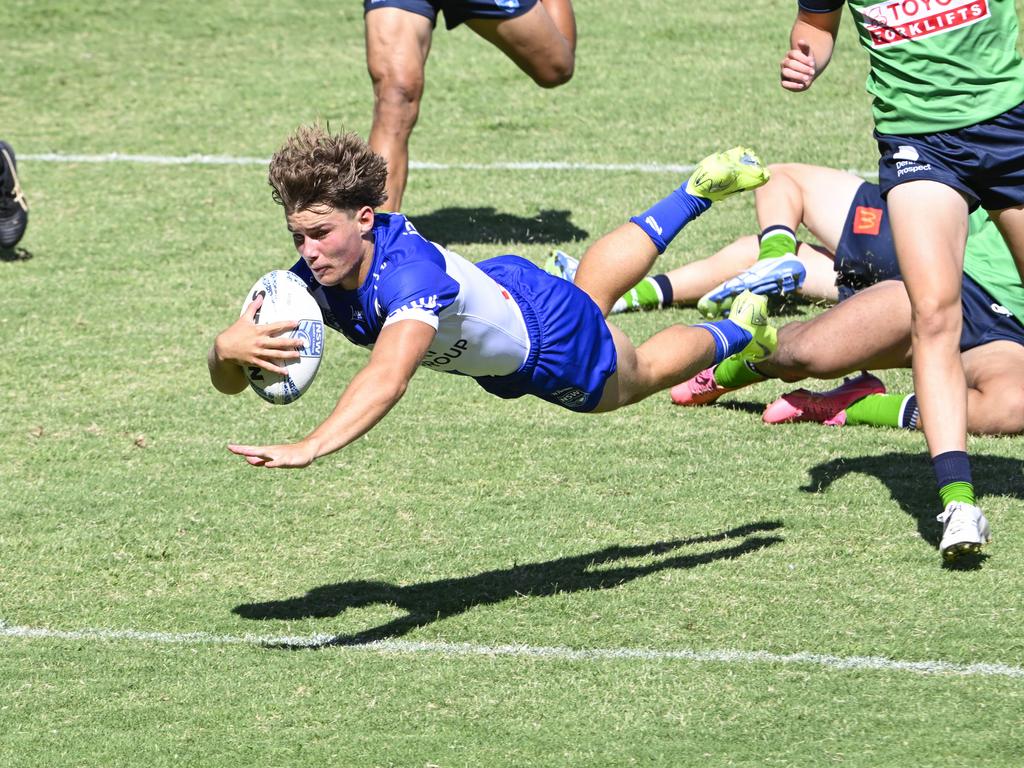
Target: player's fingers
[
  {"x": 283, "y": 342},
  {"x": 796, "y": 65},
  {"x": 255, "y": 451},
  {"x": 800, "y": 79},
  {"x": 267, "y": 365},
  {"x": 254, "y": 305},
  {"x": 804, "y": 46},
  {"x": 254, "y": 454},
  {"x": 282, "y": 326}
]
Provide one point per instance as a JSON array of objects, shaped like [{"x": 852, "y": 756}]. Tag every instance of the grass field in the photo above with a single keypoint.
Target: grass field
[{"x": 485, "y": 582}]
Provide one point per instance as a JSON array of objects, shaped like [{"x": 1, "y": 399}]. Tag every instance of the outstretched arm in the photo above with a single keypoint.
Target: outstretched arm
[
  {"x": 811, "y": 42},
  {"x": 366, "y": 400}
]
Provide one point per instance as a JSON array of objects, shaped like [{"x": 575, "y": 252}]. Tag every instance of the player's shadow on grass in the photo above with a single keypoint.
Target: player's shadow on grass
[
  {"x": 435, "y": 600},
  {"x": 486, "y": 225},
  {"x": 910, "y": 481}
]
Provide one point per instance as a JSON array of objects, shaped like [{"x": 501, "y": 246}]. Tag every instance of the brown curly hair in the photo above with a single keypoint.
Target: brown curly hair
[{"x": 315, "y": 167}]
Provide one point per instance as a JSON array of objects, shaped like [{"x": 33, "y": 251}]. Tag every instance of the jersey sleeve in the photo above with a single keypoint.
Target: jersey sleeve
[
  {"x": 415, "y": 290},
  {"x": 820, "y": 6}
]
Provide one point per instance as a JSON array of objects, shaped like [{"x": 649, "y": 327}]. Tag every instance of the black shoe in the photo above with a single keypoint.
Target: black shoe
[{"x": 13, "y": 205}]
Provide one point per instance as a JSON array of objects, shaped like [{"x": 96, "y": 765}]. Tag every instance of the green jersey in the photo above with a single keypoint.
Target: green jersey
[
  {"x": 988, "y": 262},
  {"x": 937, "y": 65}
]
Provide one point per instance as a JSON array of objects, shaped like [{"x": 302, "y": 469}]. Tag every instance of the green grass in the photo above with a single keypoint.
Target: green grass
[{"x": 461, "y": 519}]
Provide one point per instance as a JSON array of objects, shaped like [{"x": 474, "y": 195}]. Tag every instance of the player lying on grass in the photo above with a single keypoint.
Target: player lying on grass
[
  {"x": 872, "y": 329},
  {"x": 770, "y": 263},
  {"x": 505, "y": 322}
]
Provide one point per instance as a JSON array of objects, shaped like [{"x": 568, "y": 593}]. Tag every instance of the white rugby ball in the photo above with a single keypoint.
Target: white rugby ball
[{"x": 285, "y": 298}]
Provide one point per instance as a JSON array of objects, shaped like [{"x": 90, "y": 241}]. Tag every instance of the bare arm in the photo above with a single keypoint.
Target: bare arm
[
  {"x": 811, "y": 41},
  {"x": 366, "y": 400},
  {"x": 245, "y": 344}
]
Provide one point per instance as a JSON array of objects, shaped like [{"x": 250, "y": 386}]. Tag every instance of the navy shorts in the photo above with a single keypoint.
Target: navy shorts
[
  {"x": 866, "y": 253},
  {"x": 456, "y": 11},
  {"x": 985, "y": 320},
  {"x": 572, "y": 353},
  {"x": 984, "y": 161}
]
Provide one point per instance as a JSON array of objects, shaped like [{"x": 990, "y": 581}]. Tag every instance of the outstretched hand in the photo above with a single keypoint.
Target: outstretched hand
[
  {"x": 289, "y": 455},
  {"x": 798, "y": 68}
]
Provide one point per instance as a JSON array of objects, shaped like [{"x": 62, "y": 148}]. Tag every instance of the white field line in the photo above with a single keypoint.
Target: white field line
[
  {"x": 118, "y": 157},
  {"x": 557, "y": 653}
]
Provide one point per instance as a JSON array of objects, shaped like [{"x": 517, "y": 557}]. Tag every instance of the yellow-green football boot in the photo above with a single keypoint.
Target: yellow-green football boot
[{"x": 725, "y": 173}]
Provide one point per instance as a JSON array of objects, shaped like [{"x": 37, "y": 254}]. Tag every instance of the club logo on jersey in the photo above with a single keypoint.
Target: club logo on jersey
[
  {"x": 508, "y": 5},
  {"x": 867, "y": 221},
  {"x": 899, "y": 21}
]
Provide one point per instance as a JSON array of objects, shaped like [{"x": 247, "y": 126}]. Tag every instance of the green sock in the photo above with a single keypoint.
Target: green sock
[
  {"x": 733, "y": 372},
  {"x": 959, "y": 491},
  {"x": 649, "y": 293},
  {"x": 876, "y": 410},
  {"x": 776, "y": 241}
]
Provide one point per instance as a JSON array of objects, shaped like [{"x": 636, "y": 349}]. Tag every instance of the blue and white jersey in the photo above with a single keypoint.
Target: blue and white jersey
[{"x": 480, "y": 327}]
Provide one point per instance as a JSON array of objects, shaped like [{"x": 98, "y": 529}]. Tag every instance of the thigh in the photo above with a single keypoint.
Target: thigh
[
  {"x": 531, "y": 40},
  {"x": 929, "y": 227},
  {"x": 820, "y": 282},
  {"x": 869, "y": 330},
  {"x": 397, "y": 43},
  {"x": 995, "y": 377},
  {"x": 622, "y": 383},
  {"x": 826, "y": 194},
  {"x": 996, "y": 365},
  {"x": 1011, "y": 225}
]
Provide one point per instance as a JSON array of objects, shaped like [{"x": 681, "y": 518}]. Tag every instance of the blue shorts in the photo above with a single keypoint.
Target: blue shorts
[
  {"x": 572, "y": 354},
  {"x": 985, "y": 320},
  {"x": 984, "y": 162},
  {"x": 866, "y": 253},
  {"x": 456, "y": 11}
]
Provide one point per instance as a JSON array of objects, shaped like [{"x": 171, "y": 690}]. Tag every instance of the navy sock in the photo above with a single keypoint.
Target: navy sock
[
  {"x": 909, "y": 414},
  {"x": 952, "y": 467},
  {"x": 666, "y": 289},
  {"x": 729, "y": 337},
  {"x": 667, "y": 217}
]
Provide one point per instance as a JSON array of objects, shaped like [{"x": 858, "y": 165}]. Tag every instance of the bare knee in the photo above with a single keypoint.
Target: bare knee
[
  {"x": 555, "y": 72},
  {"x": 934, "y": 318},
  {"x": 797, "y": 356},
  {"x": 397, "y": 100},
  {"x": 1012, "y": 403},
  {"x": 998, "y": 412}
]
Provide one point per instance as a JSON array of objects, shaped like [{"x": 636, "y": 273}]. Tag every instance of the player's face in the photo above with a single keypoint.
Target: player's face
[{"x": 333, "y": 243}]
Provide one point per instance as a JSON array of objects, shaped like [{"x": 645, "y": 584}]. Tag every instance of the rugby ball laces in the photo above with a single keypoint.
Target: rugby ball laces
[{"x": 285, "y": 298}]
